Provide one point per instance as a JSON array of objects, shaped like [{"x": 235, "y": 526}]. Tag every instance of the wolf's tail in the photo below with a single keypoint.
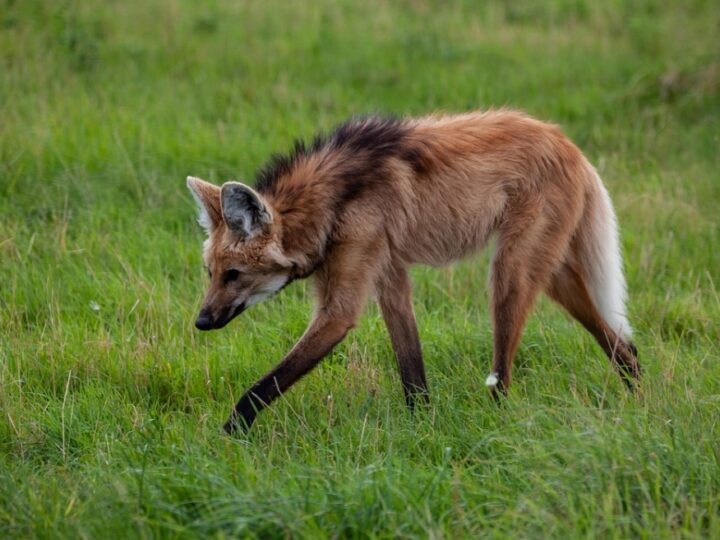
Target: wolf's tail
[{"x": 600, "y": 252}]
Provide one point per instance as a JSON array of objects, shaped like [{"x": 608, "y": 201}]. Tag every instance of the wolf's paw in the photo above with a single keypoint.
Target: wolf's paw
[{"x": 492, "y": 381}]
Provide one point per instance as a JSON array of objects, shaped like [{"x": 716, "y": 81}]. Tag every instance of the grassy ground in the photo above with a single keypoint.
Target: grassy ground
[{"x": 111, "y": 402}]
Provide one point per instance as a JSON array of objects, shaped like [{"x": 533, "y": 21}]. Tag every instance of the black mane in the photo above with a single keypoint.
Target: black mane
[{"x": 376, "y": 138}]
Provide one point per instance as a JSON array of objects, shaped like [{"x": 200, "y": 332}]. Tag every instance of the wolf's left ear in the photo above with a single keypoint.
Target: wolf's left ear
[
  {"x": 207, "y": 196},
  {"x": 243, "y": 209}
]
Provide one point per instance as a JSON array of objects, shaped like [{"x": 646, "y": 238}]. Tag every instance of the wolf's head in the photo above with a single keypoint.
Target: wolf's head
[{"x": 242, "y": 253}]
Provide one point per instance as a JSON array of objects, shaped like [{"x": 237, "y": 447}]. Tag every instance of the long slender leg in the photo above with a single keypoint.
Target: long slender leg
[
  {"x": 319, "y": 339},
  {"x": 342, "y": 287},
  {"x": 512, "y": 299},
  {"x": 531, "y": 245},
  {"x": 569, "y": 289},
  {"x": 395, "y": 299}
]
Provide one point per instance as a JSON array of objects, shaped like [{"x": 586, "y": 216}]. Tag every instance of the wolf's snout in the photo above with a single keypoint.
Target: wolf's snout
[{"x": 204, "y": 321}]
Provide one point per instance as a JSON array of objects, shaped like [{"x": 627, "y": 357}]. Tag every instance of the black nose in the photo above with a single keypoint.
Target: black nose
[{"x": 204, "y": 322}]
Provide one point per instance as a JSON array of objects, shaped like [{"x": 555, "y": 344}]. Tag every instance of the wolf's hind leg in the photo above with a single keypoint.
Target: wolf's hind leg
[
  {"x": 569, "y": 289},
  {"x": 531, "y": 245},
  {"x": 513, "y": 295}
]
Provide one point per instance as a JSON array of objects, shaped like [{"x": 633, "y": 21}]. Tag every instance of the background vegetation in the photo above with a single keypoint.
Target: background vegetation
[{"x": 111, "y": 403}]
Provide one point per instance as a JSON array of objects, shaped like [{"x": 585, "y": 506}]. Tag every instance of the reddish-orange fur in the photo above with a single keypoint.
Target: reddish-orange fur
[{"x": 356, "y": 216}]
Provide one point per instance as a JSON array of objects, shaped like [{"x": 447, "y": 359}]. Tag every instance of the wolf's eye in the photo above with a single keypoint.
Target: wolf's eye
[{"x": 230, "y": 275}]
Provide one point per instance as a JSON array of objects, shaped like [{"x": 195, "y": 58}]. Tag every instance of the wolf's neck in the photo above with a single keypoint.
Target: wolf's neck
[{"x": 308, "y": 212}]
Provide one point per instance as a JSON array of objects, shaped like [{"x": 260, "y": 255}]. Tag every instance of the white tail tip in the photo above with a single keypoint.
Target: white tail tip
[{"x": 492, "y": 380}]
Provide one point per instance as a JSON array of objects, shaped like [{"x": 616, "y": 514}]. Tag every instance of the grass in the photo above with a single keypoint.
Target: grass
[{"x": 111, "y": 403}]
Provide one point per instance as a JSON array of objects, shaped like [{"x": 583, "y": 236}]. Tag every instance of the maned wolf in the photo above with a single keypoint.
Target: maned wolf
[{"x": 356, "y": 208}]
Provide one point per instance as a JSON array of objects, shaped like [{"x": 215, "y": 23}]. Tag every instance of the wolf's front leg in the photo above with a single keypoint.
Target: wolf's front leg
[
  {"x": 395, "y": 299},
  {"x": 319, "y": 339},
  {"x": 343, "y": 284}
]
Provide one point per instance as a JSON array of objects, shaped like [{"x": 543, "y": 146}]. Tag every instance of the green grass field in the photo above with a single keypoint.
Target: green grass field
[{"x": 111, "y": 402}]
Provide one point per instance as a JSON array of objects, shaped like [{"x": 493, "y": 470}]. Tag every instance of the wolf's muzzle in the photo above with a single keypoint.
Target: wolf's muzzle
[{"x": 205, "y": 320}]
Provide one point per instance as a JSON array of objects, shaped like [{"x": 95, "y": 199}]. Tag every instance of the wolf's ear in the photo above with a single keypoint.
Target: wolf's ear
[
  {"x": 243, "y": 209},
  {"x": 207, "y": 196}
]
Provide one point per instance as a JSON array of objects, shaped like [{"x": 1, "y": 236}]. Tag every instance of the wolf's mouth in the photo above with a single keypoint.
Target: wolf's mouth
[{"x": 234, "y": 313}]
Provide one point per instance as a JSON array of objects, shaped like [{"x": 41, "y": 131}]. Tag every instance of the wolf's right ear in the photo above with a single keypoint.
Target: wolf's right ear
[
  {"x": 244, "y": 209},
  {"x": 207, "y": 196}
]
